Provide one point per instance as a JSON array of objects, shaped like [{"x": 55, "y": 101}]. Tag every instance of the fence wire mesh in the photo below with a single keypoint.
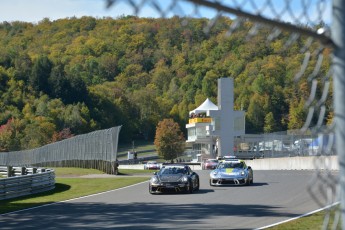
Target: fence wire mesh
[
  {"x": 97, "y": 150},
  {"x": 303, "y": 21}
]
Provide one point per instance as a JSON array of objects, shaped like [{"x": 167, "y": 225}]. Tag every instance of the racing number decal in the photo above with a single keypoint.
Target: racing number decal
[{"x": 229, "y": 170}]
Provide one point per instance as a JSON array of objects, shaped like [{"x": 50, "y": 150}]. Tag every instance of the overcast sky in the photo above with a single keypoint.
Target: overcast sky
[{"x": 36, "y": 10}]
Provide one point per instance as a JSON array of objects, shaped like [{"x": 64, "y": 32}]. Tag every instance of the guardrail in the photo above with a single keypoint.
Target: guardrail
[
  {"x": 296, "y": 163},
  {"x": 26, "y": 182},
  {"x": 193, "y": 166},
  {"x": 138, "y": 160},
  {"x": 138, "y": 152},
  {"x": 287, "y": 163}
]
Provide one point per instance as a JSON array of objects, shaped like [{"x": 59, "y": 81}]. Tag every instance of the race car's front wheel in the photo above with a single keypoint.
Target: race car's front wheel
[
  {"x": 150, "y": 190},
  {"x": 190, "y": 187},
  {"x": 211, "y": 183},
  {"x": 198, "y": 185},
  {"x": 248, "y": 181}
]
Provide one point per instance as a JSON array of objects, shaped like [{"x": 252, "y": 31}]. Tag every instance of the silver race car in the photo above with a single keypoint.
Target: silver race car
[
  {"x": 231, "y": 171},
  {"x": 174, "y": 178}
]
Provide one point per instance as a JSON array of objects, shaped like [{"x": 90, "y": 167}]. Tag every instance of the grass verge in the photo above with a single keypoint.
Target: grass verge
[
  {"x": 69, "y": 172},
  {"x": 136, "y": 171},
  {"x": 75, "y": 172},
  {"x": 314, "y": 221},
  {"x": 69, "y": 188}
]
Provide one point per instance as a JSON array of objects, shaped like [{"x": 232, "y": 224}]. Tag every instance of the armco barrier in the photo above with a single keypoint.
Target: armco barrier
[
  {"x": 285, "y": 163},
  {"x": 296, "y": 163},
  {"x": 193, "y": 166},
  {"x": 17, "y": 186}
]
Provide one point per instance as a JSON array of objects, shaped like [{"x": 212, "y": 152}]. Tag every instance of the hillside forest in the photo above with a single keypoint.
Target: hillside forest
[{"x": 75, "y": 75}]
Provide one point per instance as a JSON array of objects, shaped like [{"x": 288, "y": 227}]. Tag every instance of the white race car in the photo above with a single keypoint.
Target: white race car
[
  {"x": 152, "y": 165},
  {"x": 231, "y": 171}
]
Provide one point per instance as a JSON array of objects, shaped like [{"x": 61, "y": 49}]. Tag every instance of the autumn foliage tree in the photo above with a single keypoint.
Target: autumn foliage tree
[
  {"x": 169, "y": 139},
  {"x": 85, "y": 74}
]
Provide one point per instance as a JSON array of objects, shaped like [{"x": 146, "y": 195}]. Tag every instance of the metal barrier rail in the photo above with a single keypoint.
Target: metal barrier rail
[{"x": 22, "y": 185}]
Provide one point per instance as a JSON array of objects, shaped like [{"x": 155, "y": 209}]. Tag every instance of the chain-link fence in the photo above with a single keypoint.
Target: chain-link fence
[
  {"x": 308, "y": 22},
  {"x": 96, "y": 150},
  {"x": 276, "y": 145}
]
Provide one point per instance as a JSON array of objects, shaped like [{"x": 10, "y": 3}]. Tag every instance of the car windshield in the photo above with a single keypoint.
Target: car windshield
[
  {"x": 230, "y": 165},
  {"x": 173, "y": 170}
]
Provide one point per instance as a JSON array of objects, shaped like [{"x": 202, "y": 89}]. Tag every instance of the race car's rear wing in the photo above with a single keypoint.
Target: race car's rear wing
[{"x": 227, "y": 158}]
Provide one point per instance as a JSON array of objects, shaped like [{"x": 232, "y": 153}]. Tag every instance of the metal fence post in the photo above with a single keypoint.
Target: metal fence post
[
  {"x": 338, "y": 37},
  {"x": 9, "y": 171}
]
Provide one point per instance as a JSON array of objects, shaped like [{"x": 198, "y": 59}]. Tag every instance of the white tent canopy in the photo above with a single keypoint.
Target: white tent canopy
[{"x": 204, "y": 107}]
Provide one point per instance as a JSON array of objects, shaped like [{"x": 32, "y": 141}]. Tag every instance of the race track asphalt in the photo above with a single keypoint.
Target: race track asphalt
[{"x": 275, "y": 196}]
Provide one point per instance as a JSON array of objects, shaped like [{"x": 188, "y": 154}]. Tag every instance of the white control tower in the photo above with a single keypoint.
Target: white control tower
[{"x": 211, "y": 128}]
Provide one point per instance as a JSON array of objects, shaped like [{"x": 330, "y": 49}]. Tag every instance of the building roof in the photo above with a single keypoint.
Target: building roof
[{"x": 205, "y": 106}]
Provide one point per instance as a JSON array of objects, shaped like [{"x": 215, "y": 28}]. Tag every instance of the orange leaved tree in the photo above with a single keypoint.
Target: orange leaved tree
[{"x": 169, "y": 139}]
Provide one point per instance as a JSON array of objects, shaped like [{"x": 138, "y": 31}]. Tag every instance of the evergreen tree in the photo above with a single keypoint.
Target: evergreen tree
[{"x": 40, "y": 74}]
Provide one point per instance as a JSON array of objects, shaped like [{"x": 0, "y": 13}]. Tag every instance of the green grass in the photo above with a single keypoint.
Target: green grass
[
  {"x": 138, "y": 146},
  {"x": 75, "y": 172},
  {"x": 69, "y": 188},
  {"x": 64, "y": 171},
  {"x": 311, "y": 222}
]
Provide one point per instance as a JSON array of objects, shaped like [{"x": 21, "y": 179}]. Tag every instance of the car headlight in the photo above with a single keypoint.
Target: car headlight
[
  {"x": 242, "y": 173},
  {"x": 184, "y": 179},
  {"x": 154, "y": 180}
]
